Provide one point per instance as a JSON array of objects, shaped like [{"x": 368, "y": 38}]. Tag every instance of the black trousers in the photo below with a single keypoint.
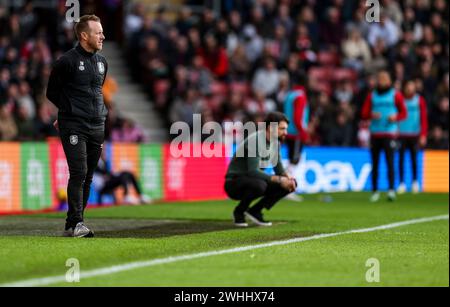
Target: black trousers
[
  {"x": 120, "y": 180},
  {"x": 410, "y": 144},
  {"x": 388, "y": 146},
  {"x": 83, "y": 147},
  {"x": 295, "y": 147},
  {"x": 247, "y": 189}
]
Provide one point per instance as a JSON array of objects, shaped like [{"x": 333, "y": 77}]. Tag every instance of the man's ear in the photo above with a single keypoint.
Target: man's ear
[{"x": 84, "y": 35}]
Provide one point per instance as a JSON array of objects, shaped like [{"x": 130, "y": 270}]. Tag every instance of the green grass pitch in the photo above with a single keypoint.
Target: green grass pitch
[{"x": 411, "y": 255}]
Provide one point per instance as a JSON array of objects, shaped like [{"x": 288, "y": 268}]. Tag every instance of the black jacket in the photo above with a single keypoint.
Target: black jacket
[{"x": 75, "y": 85}]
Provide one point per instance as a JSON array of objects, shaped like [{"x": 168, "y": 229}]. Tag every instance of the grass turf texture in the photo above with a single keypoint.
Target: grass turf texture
[{"x": 413, "y": 255}]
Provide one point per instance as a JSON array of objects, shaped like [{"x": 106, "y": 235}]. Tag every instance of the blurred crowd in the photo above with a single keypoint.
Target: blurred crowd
[
  {"x": 25, "y": 64},
  {"x": 31, "y": 39},
  {"x": 238, "y": 65}
]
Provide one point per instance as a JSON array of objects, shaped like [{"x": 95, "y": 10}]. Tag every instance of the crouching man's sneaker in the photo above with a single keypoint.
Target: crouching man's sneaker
[
  {"x": 82, "y": 231},
  {"x": 375, "y": 197},
  {"x": 257, "y": 218},
  {"x": 391, "y": 195},
  {"x": 239, "y": 219},
  {"x": 294, "y": 197}
]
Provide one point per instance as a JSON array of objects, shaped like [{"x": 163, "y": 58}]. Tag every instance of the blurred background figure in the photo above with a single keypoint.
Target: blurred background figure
[
  {"x": 246, "y": 46},
  {"x": 8, "y": 127},
  {"x": 297, "y": 111},
  {"x": 127, "y": 131},
  {"x": 110, "y": 181},
  {"x": 384, "y": 107},
  {"x": 413, "y": 133}
]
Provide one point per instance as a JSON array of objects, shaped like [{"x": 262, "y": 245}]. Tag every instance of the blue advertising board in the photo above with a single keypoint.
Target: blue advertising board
[{"x": 337, "y": 169}]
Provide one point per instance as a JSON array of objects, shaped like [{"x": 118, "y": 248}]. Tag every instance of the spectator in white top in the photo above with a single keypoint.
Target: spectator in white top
[
  {"x": 356, "y": 51},
  {"x": 267, "y": 78},
  {"x": 393, "y": 10},
  {"x": 235, "y": 28},
  {"x": 25, "y": 100},
  {"x": 386, "y": 30},
  {"x": 254, "y": 44},
  {"x": 134, "y": 21}
]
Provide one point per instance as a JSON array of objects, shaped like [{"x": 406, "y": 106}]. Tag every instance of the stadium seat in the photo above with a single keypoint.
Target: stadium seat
[
  {"x": 320, "y": 73},
  {"x": 340, "y": 74},
  {"x": 325, "y": 86},
  {"x": 242, "y": 87},
  {"x": 161, "y": 86},
  {"x": 328, "y": 58},
  {"x": 219, "y": 88}
]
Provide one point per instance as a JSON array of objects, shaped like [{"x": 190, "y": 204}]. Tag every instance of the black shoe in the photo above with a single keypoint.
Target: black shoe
[
  {"x": 90, "y": 234},
  {"x": 68, "y": 232},
  {"x": 257, "y": 218},
  {"x": 239, "y": 219}
]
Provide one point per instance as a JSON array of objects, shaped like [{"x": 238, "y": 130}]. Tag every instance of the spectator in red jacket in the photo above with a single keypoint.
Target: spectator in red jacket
[{"x": 214, "y": 57}]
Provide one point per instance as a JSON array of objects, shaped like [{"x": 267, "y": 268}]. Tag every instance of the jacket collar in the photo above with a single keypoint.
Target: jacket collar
[{"x": 82, "y": 51}]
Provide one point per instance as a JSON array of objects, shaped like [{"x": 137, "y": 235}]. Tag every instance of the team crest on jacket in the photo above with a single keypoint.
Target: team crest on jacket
[
  {"x": 101, "y": 67},
  {"x": 73, "y": 139},
  {"x": 81, "y": 67}
]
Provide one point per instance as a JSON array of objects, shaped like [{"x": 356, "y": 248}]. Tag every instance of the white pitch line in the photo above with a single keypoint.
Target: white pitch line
[{"x": 140, "y": 264}]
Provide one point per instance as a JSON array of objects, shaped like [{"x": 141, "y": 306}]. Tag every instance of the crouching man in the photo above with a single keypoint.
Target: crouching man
[{"x": 245, "y": 179}]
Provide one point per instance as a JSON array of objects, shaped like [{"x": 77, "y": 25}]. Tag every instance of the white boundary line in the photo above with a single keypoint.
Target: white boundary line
[{"x": 140, "y": 264}]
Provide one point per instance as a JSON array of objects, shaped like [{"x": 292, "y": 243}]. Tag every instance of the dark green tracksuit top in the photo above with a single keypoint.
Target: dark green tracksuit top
[{"x": 249, "y": 161}]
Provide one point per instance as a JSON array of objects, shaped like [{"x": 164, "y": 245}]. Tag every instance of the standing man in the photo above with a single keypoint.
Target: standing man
[
  {"x": 245, "y": 181},
  {"x": 413, "y": 132},
  {"x": 296, "y": 109},
  {"x": 75, "y": 87},
  {"x": 384, "y": 107}
]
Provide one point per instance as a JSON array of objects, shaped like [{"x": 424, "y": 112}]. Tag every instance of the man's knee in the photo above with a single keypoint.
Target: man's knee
[
  {"x": 252, "y": 189},
  {"x": 78, "y": 175},
  {"x": 279, "y": 191},
  {"x": 258, "y": 187},
  {"x": 89, "y": 176}
]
